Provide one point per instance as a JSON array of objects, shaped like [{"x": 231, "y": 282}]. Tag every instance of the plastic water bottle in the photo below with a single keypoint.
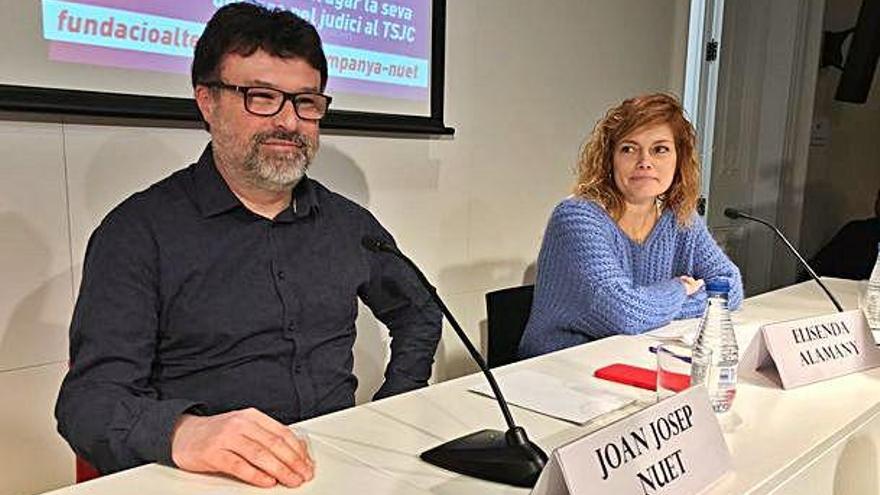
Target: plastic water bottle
[
  {"x": 718, "y": 371},
  {"x": 872, "y": 296}
]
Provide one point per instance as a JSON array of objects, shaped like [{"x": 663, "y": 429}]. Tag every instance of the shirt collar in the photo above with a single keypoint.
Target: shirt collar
[{"x": 214, "y": 196}]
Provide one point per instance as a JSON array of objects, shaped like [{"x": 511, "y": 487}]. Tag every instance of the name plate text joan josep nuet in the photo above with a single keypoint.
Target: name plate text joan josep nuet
[{"x": 675, "y": 446}]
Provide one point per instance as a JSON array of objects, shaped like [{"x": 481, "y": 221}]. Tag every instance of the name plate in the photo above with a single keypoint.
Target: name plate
[
  {"x": 674, "y": 446},
  {"x": 809, "y": 350}
]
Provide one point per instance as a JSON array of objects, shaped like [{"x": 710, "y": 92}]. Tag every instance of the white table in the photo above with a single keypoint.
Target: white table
[{"x": 823, "y": 438}]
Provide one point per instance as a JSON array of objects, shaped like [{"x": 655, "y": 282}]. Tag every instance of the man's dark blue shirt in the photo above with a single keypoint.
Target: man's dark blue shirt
[
  {"x": 192, "y": 303},
  {"x": 851, "y": 253}
]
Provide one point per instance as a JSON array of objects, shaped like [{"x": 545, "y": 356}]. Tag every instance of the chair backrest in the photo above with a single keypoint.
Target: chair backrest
[
  {"x": 85, "y": 471},
  {"x": 508, "y": 312}
]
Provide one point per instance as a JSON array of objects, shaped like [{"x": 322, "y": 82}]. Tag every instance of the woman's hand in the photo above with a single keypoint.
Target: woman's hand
[{"x": 691, "y": 285}]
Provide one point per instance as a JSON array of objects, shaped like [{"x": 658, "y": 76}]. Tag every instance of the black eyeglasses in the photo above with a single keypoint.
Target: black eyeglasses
[{"x": 267, "y": 102}]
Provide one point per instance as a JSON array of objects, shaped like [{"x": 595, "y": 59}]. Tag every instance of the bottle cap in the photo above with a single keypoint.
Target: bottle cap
[{"x": 718, "y": 285}]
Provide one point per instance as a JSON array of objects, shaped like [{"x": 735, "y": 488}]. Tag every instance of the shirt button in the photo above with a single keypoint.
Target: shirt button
[
  {"x": 297, "y": 369},
  {"x": 280, "y": 275}
]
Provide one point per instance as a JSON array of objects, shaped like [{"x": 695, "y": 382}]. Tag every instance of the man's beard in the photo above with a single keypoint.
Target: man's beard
[{"x": 278, "y": 170}]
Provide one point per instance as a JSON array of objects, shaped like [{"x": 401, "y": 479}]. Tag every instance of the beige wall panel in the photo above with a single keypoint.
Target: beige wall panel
[
  {"x": 35, "y": 293},
  {"x": 33, "y": 457},
  {"x": 106, "y": 164}
]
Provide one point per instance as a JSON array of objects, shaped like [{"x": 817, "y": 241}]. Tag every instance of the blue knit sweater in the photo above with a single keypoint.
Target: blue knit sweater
[{"x": 593, "y": 281}]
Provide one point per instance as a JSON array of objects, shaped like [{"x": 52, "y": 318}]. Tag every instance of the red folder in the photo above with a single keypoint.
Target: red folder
[{"x": 641, "y": 377}]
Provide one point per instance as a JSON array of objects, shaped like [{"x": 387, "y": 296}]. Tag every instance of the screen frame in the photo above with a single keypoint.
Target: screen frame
[{"x": 16, "y": 98}]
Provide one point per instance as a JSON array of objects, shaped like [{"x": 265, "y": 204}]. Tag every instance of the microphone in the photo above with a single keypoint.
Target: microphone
[
  {"x": 504, "y": 457},
  {"x": 734, "y": 214}
]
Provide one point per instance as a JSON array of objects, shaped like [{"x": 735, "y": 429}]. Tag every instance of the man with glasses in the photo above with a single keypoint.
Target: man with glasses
[{"x": 219, "y": 304}]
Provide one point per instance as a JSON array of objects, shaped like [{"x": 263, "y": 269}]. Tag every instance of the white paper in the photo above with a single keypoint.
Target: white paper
[
  {"x": 554, "y": 397},
  {"x": 683, "y": 330}
]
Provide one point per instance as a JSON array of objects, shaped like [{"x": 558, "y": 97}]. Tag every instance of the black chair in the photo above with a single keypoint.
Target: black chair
[{"x": 508, "y": 312}]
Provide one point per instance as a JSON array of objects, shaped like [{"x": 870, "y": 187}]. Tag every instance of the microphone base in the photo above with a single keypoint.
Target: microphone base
[{"x": 492, "y": 455}]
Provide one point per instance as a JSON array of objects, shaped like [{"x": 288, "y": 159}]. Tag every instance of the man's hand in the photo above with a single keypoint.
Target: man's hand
[
  {"x": 691, "y": 285},
  {"x": 246, "y": 444}
]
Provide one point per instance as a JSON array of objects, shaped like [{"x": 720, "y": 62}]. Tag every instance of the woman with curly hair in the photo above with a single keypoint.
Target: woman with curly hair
[{"x": 627, "y": 253}]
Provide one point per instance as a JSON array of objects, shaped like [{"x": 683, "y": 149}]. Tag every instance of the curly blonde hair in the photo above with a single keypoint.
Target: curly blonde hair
[{"x": 595, "y": 169}]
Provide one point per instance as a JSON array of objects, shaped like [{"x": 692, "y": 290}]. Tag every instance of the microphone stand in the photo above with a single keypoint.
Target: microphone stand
[
  {"x": 733, "y": 213},
  {"x": 505, "y": 457}
]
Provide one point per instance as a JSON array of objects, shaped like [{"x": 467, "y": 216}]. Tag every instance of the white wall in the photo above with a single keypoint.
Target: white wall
[
  {"x": 769, "y": 53},
  {"x": 525, "y": 82}
]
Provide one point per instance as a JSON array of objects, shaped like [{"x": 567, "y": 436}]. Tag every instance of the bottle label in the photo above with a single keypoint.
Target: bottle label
[{"x": 727, "y": 375}]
